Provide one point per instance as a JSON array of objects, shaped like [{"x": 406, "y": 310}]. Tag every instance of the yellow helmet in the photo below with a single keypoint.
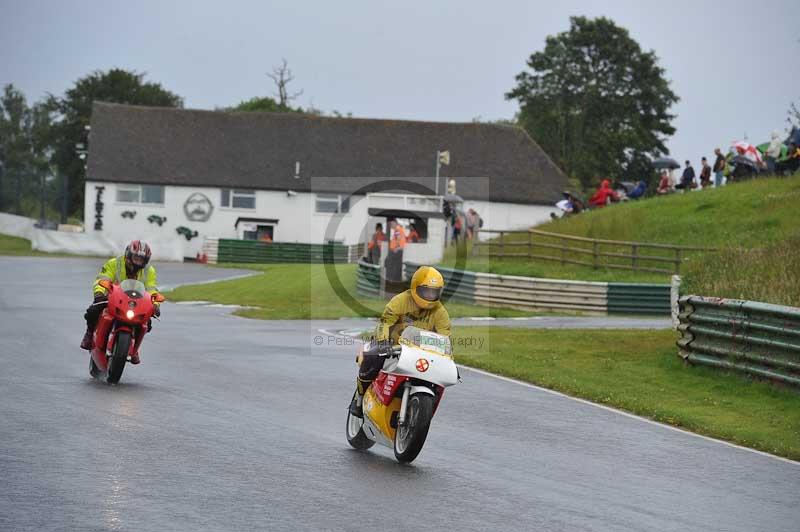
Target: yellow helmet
[{"x": 426, "y": 286}]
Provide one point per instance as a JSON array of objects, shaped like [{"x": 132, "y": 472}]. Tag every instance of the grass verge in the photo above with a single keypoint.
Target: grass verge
[
  {"x": 640, "y": 372},
  {"x": 301, "y": 291},
  {"x": 12, "y": 245}
]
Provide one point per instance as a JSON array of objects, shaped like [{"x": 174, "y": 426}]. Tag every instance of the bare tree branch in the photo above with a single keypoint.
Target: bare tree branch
[{"x": 282, "y": 76}]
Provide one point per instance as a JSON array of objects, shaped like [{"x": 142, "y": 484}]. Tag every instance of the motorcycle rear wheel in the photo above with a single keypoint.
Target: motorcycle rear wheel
[
  {"x": 354, "y": 431},
  {"x": 117, "y": 362},
  {"x": 409, "y": 439}
]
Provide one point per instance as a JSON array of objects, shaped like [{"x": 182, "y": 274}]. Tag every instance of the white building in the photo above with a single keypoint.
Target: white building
[{"x": 174, "y": 177}]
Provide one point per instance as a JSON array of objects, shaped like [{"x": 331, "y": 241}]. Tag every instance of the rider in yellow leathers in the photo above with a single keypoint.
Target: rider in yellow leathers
[{"x": 419, "y": 306}]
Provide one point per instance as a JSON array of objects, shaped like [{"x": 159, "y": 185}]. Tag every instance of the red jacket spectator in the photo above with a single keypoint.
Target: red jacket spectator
[{"x": 603, "y": 195}]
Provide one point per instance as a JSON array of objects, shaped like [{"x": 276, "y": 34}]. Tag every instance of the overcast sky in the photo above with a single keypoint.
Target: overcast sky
[{"x": 733, "y": 63}]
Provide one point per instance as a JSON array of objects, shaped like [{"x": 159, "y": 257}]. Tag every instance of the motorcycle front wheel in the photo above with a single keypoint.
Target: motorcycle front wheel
[
  {"x": 117, "y": 362},
  {"x": 355, "y": 433},
  {"x": 94, "y": 371},
  {"x": 409, "y": 438}
]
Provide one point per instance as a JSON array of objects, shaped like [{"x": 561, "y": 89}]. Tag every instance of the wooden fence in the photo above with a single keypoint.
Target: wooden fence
[{"x": 594, "y": 252}]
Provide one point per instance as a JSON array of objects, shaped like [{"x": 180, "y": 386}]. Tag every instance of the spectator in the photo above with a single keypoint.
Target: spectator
[
  {"x": 574, "y": 205},
  {"x": 791, "y": 162},
  {"x": 638, "y": 191},
  {"x": 773, "y": 151},
  {"x": 664, "y": 184},
  {"x": 413, "y": 234},
  {"x": 604, "y": 195},
  {"x": 458, "y": 225},
  {"x": 472, "y": 223},
  {"x": 374, "y": 245},
  {"x": 705, "y": 174},
  {"x": 397, "y": 243},
  {"x": 687, "y": 179},
  {"x": 719, "y": 167}
]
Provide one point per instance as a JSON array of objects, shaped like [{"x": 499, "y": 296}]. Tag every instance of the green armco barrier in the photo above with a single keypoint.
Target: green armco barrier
[
  {"x": 635, "y": 298},
  {"x": 744, "y": 336},
  {"x": 530, "y": 293},
  {"x": 368, "y": 279},
  {"x": 253, "y": 251}
]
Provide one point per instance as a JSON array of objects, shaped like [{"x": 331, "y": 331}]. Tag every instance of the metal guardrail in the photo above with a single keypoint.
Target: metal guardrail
[
  {"x": 582, "y": 251},
  {"x": 368, "y": 279},
  {"x": 743, "y": 336},
  {"x": 254, "y": 251},
  {"x": 639, "y": 298},
  {"x": 533, "y": 294}
]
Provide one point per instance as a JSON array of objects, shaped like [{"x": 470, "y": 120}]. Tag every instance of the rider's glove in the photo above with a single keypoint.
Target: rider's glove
[
  {"x": 384, "y": 347},
  {"x": 157, "y": 311}
]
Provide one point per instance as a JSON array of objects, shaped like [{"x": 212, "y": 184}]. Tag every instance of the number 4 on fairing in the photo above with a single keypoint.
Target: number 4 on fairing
[{"x": 400, "y": 404}]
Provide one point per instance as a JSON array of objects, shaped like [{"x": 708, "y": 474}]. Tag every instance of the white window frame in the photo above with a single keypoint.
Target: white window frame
[
  {"x": 338, "y": 199},
  {"x": 139, "y": 194},
  {"x": 237, "y": 193}
]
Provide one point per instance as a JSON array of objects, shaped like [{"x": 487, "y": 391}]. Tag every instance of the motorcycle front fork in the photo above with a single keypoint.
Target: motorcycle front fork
[{"x": 401, "y": 418}]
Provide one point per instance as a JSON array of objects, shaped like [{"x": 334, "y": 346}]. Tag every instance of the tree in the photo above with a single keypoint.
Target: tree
[
  {"x": 282, "y": 76},
  {"x": 596, "y": 102},
  {"x": 24, "y": 151},
  {"x": 793, "y": 116},
  {"x": 15, "y": 147},
  {"x": 264, "y": 104},
  {"x": 75, "y": 108}
]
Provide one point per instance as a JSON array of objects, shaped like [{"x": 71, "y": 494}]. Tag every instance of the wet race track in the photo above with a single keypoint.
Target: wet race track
[{"x": 236, "y": 424}]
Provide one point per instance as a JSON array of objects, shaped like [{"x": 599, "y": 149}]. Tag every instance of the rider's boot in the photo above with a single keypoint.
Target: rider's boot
[
  {"x": 88, "y": 339},
  {"x": 134, "y": 358},
  {"x": 355, "y": 405},
  {"x": 358, "y": 398}
]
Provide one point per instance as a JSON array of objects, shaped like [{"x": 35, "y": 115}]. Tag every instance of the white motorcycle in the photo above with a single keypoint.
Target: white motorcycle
[{"x": 400, "y": 404}]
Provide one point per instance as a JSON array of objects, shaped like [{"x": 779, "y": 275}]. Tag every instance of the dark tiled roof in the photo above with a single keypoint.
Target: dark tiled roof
[{"x": 153, "y": 145}]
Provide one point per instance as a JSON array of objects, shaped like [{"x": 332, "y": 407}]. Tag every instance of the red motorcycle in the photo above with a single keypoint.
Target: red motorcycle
[{"x": 121, "y": 327}]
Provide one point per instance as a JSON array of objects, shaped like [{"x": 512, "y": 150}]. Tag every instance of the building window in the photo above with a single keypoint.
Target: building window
[
  {"x": 238, "y": 198},
  {"x": 153, "y": 194},
  {"x": 333, "y": 203}
]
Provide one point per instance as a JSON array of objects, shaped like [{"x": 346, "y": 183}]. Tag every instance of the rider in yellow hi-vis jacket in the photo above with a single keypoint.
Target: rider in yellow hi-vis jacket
[
  {"x": 131, "y": 265},
  {"x": 418, "y": 306}
]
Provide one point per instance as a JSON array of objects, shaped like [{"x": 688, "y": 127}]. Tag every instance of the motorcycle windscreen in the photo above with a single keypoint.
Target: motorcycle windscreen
[
  {"x": 428, "y": 340},
  {"x": 133, "y": 289}
]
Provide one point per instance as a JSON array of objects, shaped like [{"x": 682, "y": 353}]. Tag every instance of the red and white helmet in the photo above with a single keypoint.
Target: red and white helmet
[{"x": 137, "y": 255}]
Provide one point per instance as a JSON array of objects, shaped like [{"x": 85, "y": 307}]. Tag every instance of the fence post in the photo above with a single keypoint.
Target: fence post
[
  {"x": 635, "y": 254},
  {"x": 674, "y": 296},
  {"x": 563, "y": 250},
  {"x": 594, "y": 254},
  {"x": 677, "y": 261},
  {"x": 502, "y": 247},
  {"x": 530, "y": 244}
]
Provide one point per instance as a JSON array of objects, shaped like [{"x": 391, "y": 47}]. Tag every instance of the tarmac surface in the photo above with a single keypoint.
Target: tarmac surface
[{"x": 237, "y": 424}]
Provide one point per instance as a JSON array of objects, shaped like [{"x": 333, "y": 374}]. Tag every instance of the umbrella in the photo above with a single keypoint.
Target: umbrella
[
  {"x": 667, "y": 163},
  {"x": 453, "y": 198},
  {"x": 746, "y": 149}
]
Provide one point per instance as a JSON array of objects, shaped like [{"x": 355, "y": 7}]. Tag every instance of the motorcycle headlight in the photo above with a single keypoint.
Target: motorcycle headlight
[{"x": 129, "y": 314}]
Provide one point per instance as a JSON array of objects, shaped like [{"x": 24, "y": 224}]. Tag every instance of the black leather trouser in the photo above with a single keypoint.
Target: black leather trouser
[
  {"x": 371, "y": 364},
  {"x": 95, "y": 309}
]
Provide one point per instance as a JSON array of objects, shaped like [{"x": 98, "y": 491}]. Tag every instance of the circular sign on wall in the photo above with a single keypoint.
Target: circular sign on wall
[{"x": 198, "y": 208}]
